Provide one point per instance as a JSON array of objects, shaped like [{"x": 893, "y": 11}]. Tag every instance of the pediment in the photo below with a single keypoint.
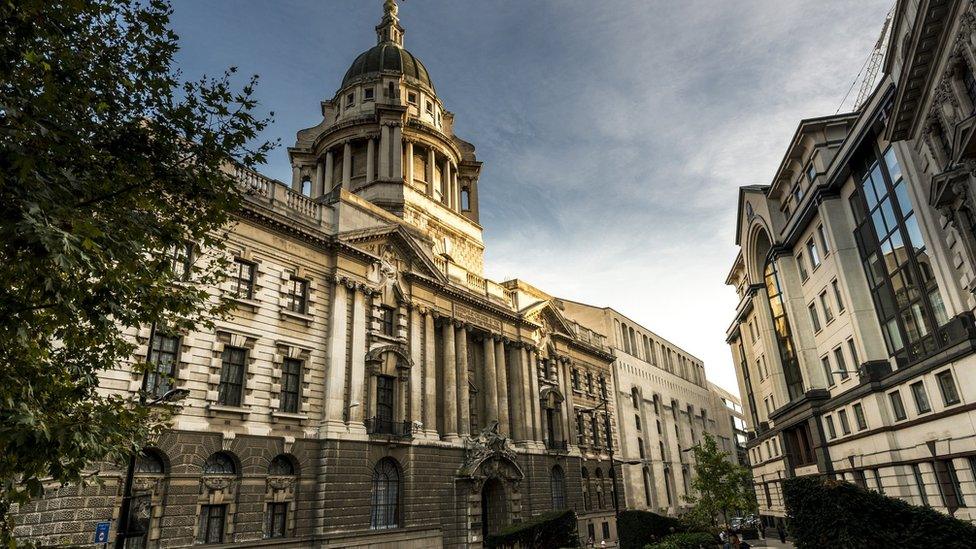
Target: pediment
[
  {"x": 394, "y": 245},
  {"x": 545, "y": 314}
]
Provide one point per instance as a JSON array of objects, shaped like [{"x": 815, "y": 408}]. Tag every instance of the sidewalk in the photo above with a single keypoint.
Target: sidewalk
[{"x": 770, "y": 542}]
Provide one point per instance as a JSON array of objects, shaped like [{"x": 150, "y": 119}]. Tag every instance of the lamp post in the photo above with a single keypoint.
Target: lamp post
[
  {"x": 172, "y": 395},
  {"x": 609, "y": 436}
]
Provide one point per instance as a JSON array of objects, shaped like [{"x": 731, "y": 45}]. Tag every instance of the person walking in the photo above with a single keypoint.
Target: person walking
[{"x": 781, "y": 532}]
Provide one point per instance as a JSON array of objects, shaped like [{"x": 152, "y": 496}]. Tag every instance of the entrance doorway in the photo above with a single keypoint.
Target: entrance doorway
[{"x": 494, "y": 511}]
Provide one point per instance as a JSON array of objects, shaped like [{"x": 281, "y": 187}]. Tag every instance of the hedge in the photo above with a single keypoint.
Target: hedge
[
  {"x": 686, "y": 540},
  {"x": 829, "y": 513},
  {"x": 546, "y": 531},
  {"x": 635, "y": 529}
]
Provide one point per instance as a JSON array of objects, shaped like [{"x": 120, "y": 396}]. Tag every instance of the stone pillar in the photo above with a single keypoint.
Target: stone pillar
[
  {"x": 370, "y": 160},
  {"x": 536, "y": 407},
  {"x": 346, "y": 165},
  {"x": 319, "y": 180},
  {"x": 517, "y": 392},
  {"x": 463, "y": 395},
  {"x": 456, "y": 193},
  {"x": 446, "y": 171},
  {"x": 501, "y": 382},
  {"x": 408, "y": 169},
  {"x": 567, "y": 391},
  {"x": 430, "y": 376},
  {"x": 450, "y": 382},
  {"x": 490, "y": 389},
  {"x": 384, "y": 152},
  {"x": 448, "y": 197},
  {"x": 431, "y": 159},
  {"x": 329, "y": 167},
  {"x": 416, "y": 391},
  {"x": 397, "y": 153},
  {"x": 336, "y": 362},
  {"x": 296, "y": 178},
  {"x": 358, "y": 355}
]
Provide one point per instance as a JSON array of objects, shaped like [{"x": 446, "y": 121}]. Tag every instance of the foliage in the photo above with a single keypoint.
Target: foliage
[
  {"x": 821, "y": 512},
  {"x": 719, "y": 485},
  {"x": 635, "y": 529},
  {"x": 108, "y": 161},
  {"x": 546, "y": 531},
  {"x": 686, "y": 540}
]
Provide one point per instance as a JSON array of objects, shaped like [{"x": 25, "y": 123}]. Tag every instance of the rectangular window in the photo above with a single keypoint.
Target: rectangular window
[
  {"x": 814, "y": 317},
  {"x": 162, "y": 359},
  {"x": 831, "y": 432},
  {"x": 825, "y": 305},
  {"x": 845, "y": 426},
  {"x": 840, "y": 300},
  {"x": 813, "y": 254},
  {"x": 920, "y": 484},
  {"x": 576, "y": 379},
  {"x": 430, "y": 107},
  {"x": 853, "y": 349},
  {"x": 181, "y": 259},
  {"x": 921, "y": 398},
  {"x": 897, "y": 407},
  {"x": 823, "y": 239},
  {"x": 368, "y": 94},
  {"x": 606, "y": 530},
  {"x": 412, "y": 98},
  {"x": 275, "y": 520},
  {"x": 350, "y": 99},
  {"x": 388, "y": 324},
  {"x": 212, "y": 524},
  {"x": 811, "y": 172},
  {"x": 296, "y": 299},
  {"x": 242, "y": 281},
  {"x": 947, "y": 386},
  {"x": 859, "y": 418},
  {"x": 877, "y": 481},
  {"x": 828, "y": 374},
  {"x": 231, "y": 388},
  {"x": 802, "y": 266},
  {"x": 841, "y": 364},
  {"x": 291, "y": 385}
]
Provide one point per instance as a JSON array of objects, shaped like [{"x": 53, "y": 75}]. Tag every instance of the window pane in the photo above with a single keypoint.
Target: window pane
[
  {"x": 921, "y": 399},
  {"x": 897, "y": 407},
  {"x": 914, "y": 234},
  {"x": 891, "y": 162}
]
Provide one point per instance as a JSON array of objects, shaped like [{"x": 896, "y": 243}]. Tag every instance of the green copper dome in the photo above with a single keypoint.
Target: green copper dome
[{"x": 387, "y": 57}]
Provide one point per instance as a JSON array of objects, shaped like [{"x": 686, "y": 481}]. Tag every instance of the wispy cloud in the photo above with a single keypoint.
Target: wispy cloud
[{"x": 614, "y": 134}]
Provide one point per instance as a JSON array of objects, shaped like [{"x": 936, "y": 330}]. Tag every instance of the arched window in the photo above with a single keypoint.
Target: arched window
[
  {"x": 385, "y": 503},
  {"x": 465, "y": 199},
  {"x": 220, "y": 464},
  {"x": 281, "y": 466},
  {"x": 307, "y": 187},
  {"x": 149, "y": 462},
  {"x": 667, "y": 484},
  {"x": 557, "y": 482},
  {"x": 635, "y": 398},
  {"x": 587, "y": 500},
  {"x": 647, "y": 487},
  {"x": 599, "y": 488}
]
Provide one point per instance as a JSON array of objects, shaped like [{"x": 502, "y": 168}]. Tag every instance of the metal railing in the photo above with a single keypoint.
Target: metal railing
[
  {"x": 381, "y": 426},
  {"x": 557, "y": 445}
]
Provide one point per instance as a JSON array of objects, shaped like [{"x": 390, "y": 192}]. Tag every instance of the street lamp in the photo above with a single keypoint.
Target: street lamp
[
  {"x": 173, "y": 395},
  {"x": 609, "y": 435}
]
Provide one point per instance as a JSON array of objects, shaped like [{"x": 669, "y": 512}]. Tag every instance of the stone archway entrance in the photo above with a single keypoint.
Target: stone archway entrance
[{"x": 494, "y": 507}]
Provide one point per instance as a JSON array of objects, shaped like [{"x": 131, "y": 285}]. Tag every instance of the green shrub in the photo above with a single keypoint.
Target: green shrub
[
  {"x": 635, "y": 529},
  {"x": 686, "y": 540},
  {"x": 546, "y": 531},
  {"x": 828, "y": 513}
]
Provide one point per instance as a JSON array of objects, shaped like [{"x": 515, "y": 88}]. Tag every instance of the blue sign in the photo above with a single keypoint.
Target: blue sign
[{"x": 101, "y": 531}]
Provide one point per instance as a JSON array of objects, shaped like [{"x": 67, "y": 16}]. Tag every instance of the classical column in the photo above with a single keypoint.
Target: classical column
[
  {"x": 329, "y": 167},
  {"x": 430, "y": 375},
  {"x": 358, "y": 355},
  {"x": 296, "y": 178},
  {"x": 397, "y": 153},
  {"x": 456, "y": 193},
  {"x": 491, "y": 390},
  {"x": 370, "y": 160},
  {"x": 319, "y": 180},
  {"x": 416, "y": 370},
  {"x": 448, "y": 192},
  {"x": 346, "y": 165},
  {"x": 384, "y": 152},
  {"x": 567, "y": 402},
  {"x": 409, "y": 167},
  {"x": 446, "y": 171},
  {"x": 336, "y": 363},
  {"x": 536, "y": 407},
  {"x": 450, "y": 382},
  {"x": 516, "y": 392},
  {"x": 501, "y": 383},
  {"x": 461, "y": 360},
  {"x": 430, "y": 165}
]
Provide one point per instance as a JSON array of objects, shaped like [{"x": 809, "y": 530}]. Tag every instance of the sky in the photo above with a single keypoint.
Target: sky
[{"x": 614, "y": 133}]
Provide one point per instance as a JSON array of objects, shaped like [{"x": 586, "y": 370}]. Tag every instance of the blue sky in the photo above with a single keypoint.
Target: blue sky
[{"x": 614, "y": 134}]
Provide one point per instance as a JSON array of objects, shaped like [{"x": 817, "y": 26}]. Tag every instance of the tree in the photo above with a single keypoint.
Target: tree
[
  {"x": 109, "y": 162},
  {"x": 719, "y": 485}
]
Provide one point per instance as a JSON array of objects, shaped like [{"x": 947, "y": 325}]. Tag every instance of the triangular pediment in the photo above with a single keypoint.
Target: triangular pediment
[
  {"x": 545, "y": 314},
  {"x": 395, "y": 244}
]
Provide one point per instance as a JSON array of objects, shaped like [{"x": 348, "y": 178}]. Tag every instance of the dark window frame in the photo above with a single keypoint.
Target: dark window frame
[
  {"x": 291, "y": 385},
  {"x": 276, "y": 520},
  {"x": 213, "y": 523},
  {"x": 155, "y": 381},
  {"x": 244, "y": 278},
  {"x": 296, "y": 296},
  {"x": 233, "y": 373}
]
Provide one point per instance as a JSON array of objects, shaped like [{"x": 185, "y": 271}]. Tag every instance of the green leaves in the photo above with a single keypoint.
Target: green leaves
[
  {"x": 108, "y": 163},
  {"x": 719, "y": 485}
]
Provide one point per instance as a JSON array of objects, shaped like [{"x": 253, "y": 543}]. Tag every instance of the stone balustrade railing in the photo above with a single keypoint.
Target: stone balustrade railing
[{"x": 275, "y": 194}]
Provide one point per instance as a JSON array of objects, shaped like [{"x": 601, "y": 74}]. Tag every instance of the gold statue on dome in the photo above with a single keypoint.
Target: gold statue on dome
[{"x": 390, "y": 7}]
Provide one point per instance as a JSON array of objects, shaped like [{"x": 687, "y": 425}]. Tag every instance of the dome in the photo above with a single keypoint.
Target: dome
[{"x": 387, "y": 57}]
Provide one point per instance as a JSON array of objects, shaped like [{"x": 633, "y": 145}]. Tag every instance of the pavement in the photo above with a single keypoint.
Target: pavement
[{"x": 770, "y": 542}]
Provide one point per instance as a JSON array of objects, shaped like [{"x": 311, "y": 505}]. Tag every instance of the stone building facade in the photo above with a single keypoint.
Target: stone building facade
[
  {"x": 372, "y": 388},
  {"x": 665, "y": 405},
  {"x": 854, "y": 337}
]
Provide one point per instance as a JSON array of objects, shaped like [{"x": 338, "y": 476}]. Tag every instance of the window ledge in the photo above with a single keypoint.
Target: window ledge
[
  {"x": 392, "y": 339},
  {"x": 242, "y": 411},
  {"x": 278, "y": 415},
  {"x": 303, "y": 317},
  {"x": 252, "y": 304}
]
